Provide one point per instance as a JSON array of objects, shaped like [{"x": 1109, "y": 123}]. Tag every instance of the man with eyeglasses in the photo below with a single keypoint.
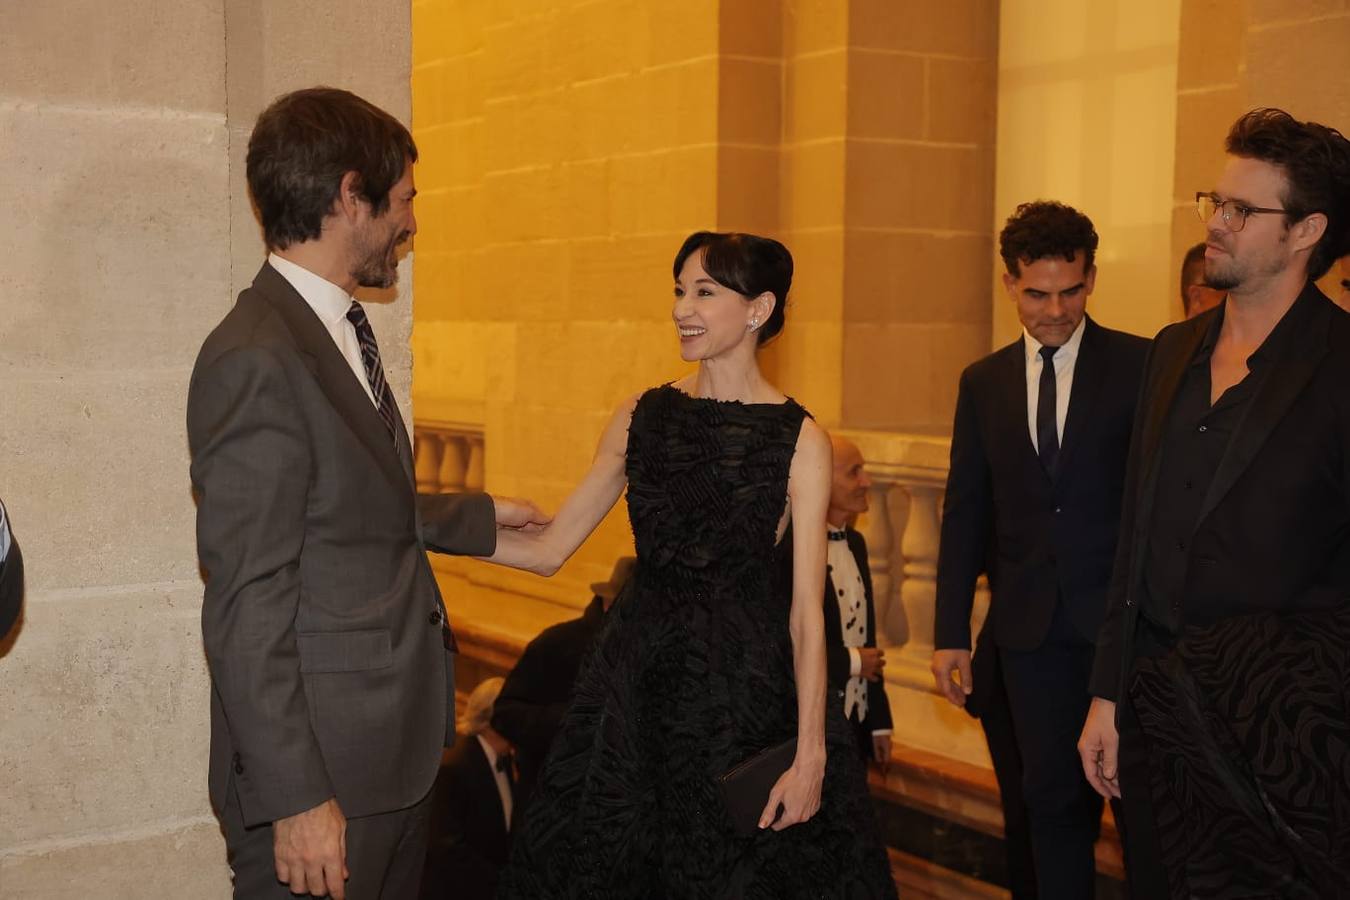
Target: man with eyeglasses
[{"x": 1222, "y": 669}]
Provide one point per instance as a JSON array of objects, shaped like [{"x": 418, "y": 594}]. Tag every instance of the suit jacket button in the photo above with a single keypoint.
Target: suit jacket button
[
  {"x": 238, "y": 765},
  {"x": 1129, "y": 602},
  {"x": 435, "y": 617}
]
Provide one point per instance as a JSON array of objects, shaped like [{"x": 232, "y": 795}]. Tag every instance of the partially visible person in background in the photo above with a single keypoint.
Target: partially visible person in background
[
  {"x": 854, "y": 663},
  {"x": 538, "y": 689},
  {"x": 471, "y": 807},
  {"x": 1196, "y": 295},
  {"x": 11, "y": 576}
]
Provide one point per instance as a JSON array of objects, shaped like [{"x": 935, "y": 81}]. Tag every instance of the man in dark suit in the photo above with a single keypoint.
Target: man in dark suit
[
  {"x": 324, "y": 630},
  {"x": 11, "y": 576},
  {"x": 1033, "y": 498},
  {"x": 473, "y": 807},
  {"x": 854, "y": 664},
  {"x": 538, "y": 689},
  {"x": 1226, "y": 631}
]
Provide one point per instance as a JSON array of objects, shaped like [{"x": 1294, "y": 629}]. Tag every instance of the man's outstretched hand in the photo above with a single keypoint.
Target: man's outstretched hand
[
  {"x": 513, "y": 512},
  {"x": 310, "y": 850}
]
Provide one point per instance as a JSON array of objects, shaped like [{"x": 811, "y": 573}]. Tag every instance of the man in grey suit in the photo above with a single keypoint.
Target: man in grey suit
[{"x": 326, "y": 637}]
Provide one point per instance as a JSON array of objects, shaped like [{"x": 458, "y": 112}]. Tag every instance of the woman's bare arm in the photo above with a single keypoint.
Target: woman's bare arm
[
  {"x": 809, "y": 494},
  {"x": 544, "y": 551}
]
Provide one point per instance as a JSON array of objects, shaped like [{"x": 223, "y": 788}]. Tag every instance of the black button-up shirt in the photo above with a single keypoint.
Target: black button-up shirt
[{"x": 1193, "y": 442}]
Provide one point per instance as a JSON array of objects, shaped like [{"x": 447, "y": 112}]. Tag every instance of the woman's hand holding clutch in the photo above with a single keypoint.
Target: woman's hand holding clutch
[{"x": 796, "y": 795}]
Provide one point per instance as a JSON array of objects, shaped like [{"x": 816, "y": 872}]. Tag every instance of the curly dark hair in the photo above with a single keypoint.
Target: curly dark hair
[
  {"x": 303, "y": 145},
  {"x": 747, "y": 264},
  {"x": 1043, "y": 229},
  {"x": 1315, "y": 160}
]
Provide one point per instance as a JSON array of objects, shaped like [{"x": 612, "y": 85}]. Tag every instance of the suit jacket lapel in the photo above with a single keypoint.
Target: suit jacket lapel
[
  {"x": 1089, "y": 373},
  {"x": 1160, "y": 403},
  {"x": 332, "y": 372},
  {"x": 1287, "y": 374}
]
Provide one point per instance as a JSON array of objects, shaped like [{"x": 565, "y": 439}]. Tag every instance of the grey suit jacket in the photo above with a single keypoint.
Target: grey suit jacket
[{"x": 322, "y": 622}]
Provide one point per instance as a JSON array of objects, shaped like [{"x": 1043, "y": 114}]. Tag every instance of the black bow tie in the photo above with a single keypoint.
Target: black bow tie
[
  {"x": 836, "y": 535},
  {"x": 504, "y": 763}
]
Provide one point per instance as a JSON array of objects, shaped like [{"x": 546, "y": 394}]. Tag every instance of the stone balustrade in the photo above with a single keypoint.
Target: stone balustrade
[
  {"x": 902, "y": 528},
  {"x": 447, "y": 456}
]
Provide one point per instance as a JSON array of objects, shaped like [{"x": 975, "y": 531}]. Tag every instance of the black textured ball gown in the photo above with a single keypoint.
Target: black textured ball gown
[{"x": 693, "y": 673}]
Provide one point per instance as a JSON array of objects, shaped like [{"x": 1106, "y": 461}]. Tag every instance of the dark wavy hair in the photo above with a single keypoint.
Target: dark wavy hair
[
  {"x": 1315, "y": 160},
  {"x": 1043, "y": 229},
  {"x": 748, "y": 264},
  {"x": 303, "y": 145}
]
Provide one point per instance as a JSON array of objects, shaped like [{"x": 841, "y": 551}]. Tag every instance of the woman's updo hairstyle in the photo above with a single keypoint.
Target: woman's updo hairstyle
[{"x": 748, "y": 264}]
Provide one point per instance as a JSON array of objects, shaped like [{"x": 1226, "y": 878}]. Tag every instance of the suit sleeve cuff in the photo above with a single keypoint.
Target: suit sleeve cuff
[{"x": 876, "y": 732}]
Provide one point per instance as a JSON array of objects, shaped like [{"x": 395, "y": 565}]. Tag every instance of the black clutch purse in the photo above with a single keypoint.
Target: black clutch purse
[{"x": 745, "y": 789}]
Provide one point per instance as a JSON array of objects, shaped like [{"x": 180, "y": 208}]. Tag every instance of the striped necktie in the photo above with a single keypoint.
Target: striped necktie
[{"x": 370, "y": 358}]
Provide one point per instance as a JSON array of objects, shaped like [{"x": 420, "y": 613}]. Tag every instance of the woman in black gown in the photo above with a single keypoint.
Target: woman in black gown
[{"x": 704, "y": 661}]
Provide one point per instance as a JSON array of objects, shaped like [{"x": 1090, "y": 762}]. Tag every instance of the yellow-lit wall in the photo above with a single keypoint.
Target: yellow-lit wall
[
  {"x": 566, "y": 150},
  {"x": 1087, "y": 115},
  {"x": 1293, "y": 54}
]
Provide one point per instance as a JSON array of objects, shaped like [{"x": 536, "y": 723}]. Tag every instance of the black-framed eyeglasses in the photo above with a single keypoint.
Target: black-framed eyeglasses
[{"x": 1234, "y": 214}]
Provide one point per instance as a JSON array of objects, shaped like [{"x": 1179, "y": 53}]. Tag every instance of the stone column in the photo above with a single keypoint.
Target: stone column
[{"x": 122, "y": 130}]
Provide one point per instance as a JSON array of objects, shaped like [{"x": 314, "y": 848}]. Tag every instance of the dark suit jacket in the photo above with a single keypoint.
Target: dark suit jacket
[
  {"x": 469, "y": 842},
  {"x": 539, "y": 689},
  {"x": 11, "y": 585},
  {"x": 1273, "y": 533},
  {"x": 1038, "y": 539},
  {"x": 837, "y": 658},
  {"x": 322, "y": 622}
]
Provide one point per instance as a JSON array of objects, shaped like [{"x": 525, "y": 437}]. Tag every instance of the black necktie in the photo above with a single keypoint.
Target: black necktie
[
  {"x": 1047, "y": 431},
  {"x": 370, "y": 358}
]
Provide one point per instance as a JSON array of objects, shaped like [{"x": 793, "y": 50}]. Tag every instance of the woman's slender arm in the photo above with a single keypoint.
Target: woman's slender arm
[
  {"x": 544, "y": 551},
  {"x": 809, "y": 493}
]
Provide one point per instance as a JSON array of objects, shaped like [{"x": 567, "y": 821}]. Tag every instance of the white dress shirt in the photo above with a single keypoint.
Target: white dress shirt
[
  {"x": 330, "y": 303},
  {"x": 503, "y": 785},
  {"x": 852, "y": 597},
  {"x": 1064, "y": 360}
]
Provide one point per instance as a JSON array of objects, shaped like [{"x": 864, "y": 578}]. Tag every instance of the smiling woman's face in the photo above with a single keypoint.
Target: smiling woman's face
[{"x": 711, "y": 319}]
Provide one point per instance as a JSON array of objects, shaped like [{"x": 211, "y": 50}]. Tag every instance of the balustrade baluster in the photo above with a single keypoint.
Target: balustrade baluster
[{"x": 427, "y": 447}]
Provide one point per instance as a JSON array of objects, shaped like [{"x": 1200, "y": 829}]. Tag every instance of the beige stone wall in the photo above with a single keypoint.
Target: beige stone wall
[
  {"x": 127, "y": 231},
  {"x": 1235, "y": 56},
  {"x": 576, "y": 145},
  {"x": 1087, "y": 116}
]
